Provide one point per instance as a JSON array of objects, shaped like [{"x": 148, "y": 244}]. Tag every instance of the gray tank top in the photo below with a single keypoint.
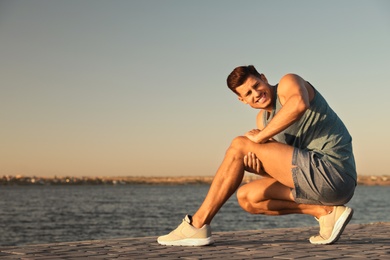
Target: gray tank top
[{"x": 319, "y": 130}]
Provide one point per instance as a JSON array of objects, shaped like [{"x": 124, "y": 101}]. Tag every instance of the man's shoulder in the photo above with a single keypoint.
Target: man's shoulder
[
  {"x": 289, "y": 80},
  {"x": 292, "y": 84}
]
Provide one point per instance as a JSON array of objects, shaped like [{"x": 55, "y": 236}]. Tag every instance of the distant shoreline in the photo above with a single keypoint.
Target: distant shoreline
[{"x": 26, "y": 180}]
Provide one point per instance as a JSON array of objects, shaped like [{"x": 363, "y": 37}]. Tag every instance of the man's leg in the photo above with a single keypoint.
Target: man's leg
[
  {"x": 269, "y": 197},
  {"x": 276, "y": 159},
  {"x": 276, "y": 198}
]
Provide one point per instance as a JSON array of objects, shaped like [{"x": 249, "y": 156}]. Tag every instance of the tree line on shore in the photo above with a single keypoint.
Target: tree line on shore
[{"x": 26, "y": 180}]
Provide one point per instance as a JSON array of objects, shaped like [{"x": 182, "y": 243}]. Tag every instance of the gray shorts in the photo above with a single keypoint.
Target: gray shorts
[{"x": 318, "y": 182}]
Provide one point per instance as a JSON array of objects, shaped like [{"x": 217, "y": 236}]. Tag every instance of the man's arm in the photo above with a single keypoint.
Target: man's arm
[{"x": 295, "y": 99}]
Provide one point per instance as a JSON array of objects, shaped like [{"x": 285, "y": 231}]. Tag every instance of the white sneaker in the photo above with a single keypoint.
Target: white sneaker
[
  {"x": 332, "y": 225},
  {"x": 187, "y": 235}
]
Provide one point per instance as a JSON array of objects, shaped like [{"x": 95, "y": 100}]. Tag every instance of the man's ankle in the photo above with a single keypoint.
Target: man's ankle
[
  {"x": 196, "y": 222},
  {"x": 326, "y": 210}
]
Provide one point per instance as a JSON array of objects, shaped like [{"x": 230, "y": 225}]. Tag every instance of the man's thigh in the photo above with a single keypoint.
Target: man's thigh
[
  {"x": 276, "y": 159},
  {"x": 267, "y": 189}
]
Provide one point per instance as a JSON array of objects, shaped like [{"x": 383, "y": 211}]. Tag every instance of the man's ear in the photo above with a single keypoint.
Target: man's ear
[
  {"x": 242, "y": 100},
  {"x": 263, "y": 78}
]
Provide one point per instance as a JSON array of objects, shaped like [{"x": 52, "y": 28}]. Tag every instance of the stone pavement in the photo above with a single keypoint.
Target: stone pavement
[{"x": 368, "y": 241}]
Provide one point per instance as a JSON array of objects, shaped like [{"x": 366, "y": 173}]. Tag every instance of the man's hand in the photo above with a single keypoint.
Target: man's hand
[
  {"x": 253, "y": 164},
  {"x": 254, "y": 135}
]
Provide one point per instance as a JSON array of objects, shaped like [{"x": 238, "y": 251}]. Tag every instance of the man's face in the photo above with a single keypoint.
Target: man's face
[{"x": 256, "y": 92}]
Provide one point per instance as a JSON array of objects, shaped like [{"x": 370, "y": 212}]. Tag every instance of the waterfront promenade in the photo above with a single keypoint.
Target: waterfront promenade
[{"x": 359, "y": 241}]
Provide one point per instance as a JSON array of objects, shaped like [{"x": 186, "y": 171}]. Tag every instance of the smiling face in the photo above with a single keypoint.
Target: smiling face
[{"x": 256, "y": 92}]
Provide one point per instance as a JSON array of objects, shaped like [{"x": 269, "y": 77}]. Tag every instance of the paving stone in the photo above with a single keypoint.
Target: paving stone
[{"x": 369, "y": 241}]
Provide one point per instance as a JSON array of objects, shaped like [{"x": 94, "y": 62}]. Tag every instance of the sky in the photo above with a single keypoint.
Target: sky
[{"x": 138, "y": 88}]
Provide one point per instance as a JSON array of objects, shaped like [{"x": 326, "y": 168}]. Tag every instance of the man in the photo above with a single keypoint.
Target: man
[{"x": 302, "y": 149}]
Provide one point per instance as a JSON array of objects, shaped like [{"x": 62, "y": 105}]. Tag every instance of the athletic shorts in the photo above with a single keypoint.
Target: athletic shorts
[{"x": 317, "y": 181}]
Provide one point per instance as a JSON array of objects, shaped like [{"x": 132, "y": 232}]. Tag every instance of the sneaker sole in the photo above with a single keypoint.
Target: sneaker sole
[
  {"x": 188, "y": 242},
  {"x": 338, "y": 229}
]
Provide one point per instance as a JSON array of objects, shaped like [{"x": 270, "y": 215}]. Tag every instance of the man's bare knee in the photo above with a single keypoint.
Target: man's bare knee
[
  {"x": 243, "y": 199},
  {"x": 239, "y": 142},
  {"x": 237, "y": 147},
  {"x": 245, "y": 202}
]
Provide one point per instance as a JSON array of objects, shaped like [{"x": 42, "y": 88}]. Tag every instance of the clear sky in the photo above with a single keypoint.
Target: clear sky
[{"x": 120, "y": 88}]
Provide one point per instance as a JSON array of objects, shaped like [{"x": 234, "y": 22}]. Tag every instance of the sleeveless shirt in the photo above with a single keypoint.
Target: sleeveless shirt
[{"x": 319, "y": 130}]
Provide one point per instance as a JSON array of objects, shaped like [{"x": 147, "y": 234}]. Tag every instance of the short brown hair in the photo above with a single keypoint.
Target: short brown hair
[{"x": 239, "y": 75}]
